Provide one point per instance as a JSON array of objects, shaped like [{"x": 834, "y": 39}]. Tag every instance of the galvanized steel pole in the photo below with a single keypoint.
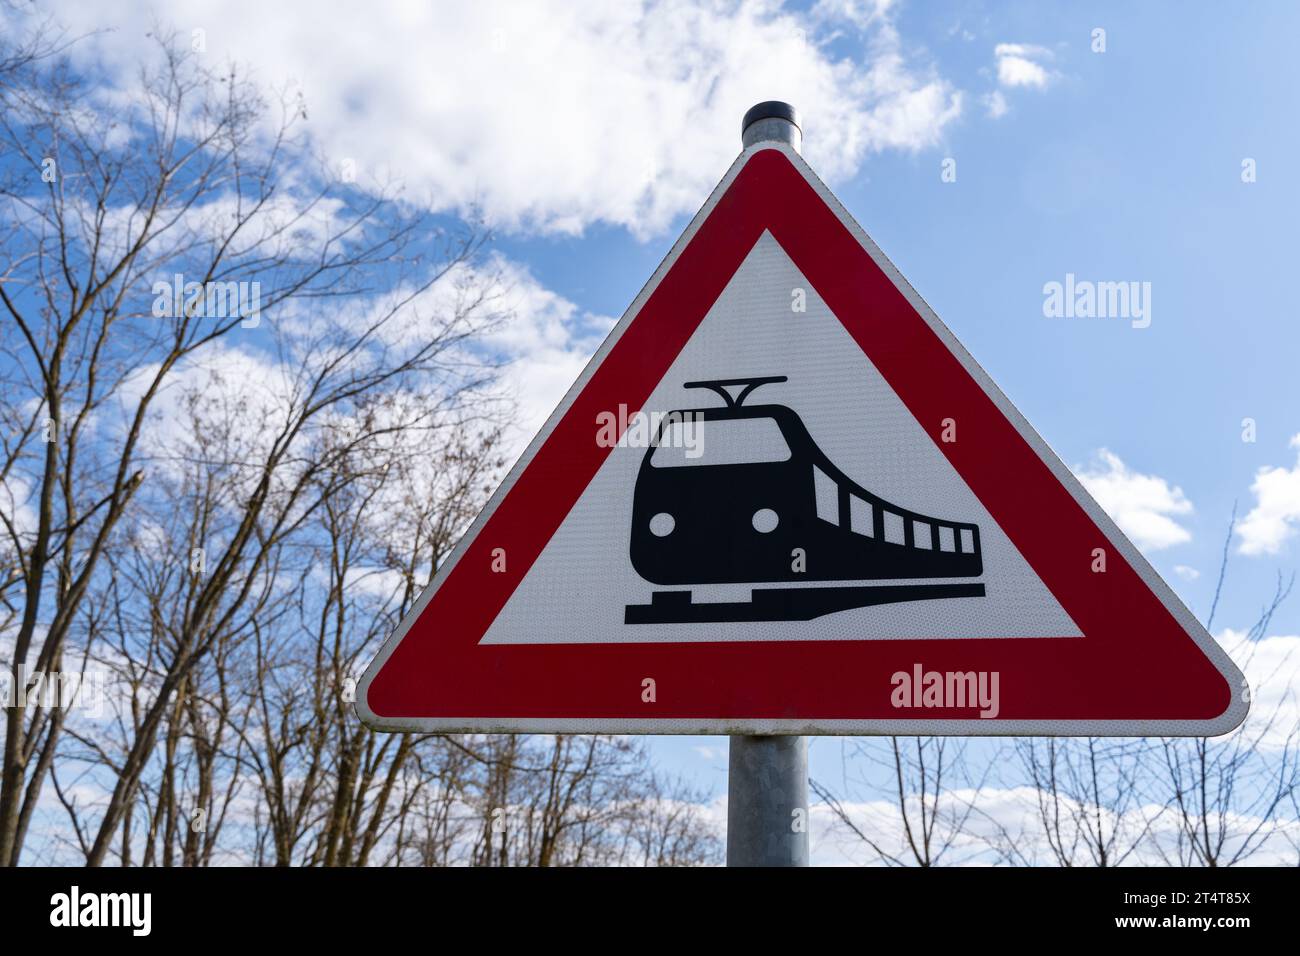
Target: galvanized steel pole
[
  {"x": 767, "y": 777},
  {"x": 767, "y": 801}
]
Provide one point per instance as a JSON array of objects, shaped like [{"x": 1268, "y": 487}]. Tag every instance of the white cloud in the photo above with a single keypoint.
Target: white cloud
[
  {"x": 1271, "y": 666},
  {"x": 1008, "y": 823},
  {"x": 1276, "y": 515},
  {"x": 861, "y": 13},
  {"x": 547, "y": 342},
  {"x": 543, "y": 338},
  {"x": 1186, "y": 572},
  {"x": 996, "y": 104},
  {"x": 17, "y": 500},
  {"x": 1144, "y": 506},
  {"x": 1019, "y": 65},
  {"x": 552, "y": 116}
]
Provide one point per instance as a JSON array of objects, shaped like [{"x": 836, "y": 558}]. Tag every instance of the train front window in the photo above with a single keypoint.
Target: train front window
[{"x": 720, "y": 441}]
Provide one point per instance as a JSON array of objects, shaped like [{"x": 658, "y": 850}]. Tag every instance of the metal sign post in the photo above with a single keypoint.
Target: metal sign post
[
  {"x": 767, "y": 777},
  {"x": 767, "y": 801}
]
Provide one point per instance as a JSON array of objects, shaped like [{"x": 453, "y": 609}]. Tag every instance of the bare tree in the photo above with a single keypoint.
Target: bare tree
[
  {"x": 332, "y": 787},
  {"x": 575, "y": 801},
  {"x": 667, "y": 827},
  {"x": 247, "y": 412},
  {"x": 932, "y": 790},
  {"x": 1228, "y": 796},
  {"x": 22, "y": 49},
  {"x": 1186, "y": 801},
  {"x": 107, "y": 206},
  {"x": 1088, "y": 795}
]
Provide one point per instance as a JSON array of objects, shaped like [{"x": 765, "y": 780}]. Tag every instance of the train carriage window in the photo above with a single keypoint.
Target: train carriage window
[
  {"x": 921, "y": 535},
  {"x": 947, "y": 539},
  {"x": 719, "y": 441},
  {"x": 828, "y": 496},
  {"x": 894, "y": 528},
  {"x": 861, "y": 518},
  {"x": 967, "y": 541}
]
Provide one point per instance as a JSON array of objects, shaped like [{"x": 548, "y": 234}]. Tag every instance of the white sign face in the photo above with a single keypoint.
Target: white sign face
[{"x": 854, "y": 417}]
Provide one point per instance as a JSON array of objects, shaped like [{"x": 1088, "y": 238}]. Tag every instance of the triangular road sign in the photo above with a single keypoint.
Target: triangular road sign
[{"x": 782, "y": 498}]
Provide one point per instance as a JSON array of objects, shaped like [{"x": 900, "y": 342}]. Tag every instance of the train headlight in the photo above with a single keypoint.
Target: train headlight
[
  {"x": 765, "y": 520},
  {"x": 662, "y": 524}
]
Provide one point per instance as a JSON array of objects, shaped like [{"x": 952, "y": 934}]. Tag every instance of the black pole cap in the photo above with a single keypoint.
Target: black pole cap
[{"x": 771, "y": 109}]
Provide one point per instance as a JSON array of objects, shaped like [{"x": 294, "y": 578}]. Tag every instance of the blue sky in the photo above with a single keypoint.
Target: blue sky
[{"x": 590, "y": 138}]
